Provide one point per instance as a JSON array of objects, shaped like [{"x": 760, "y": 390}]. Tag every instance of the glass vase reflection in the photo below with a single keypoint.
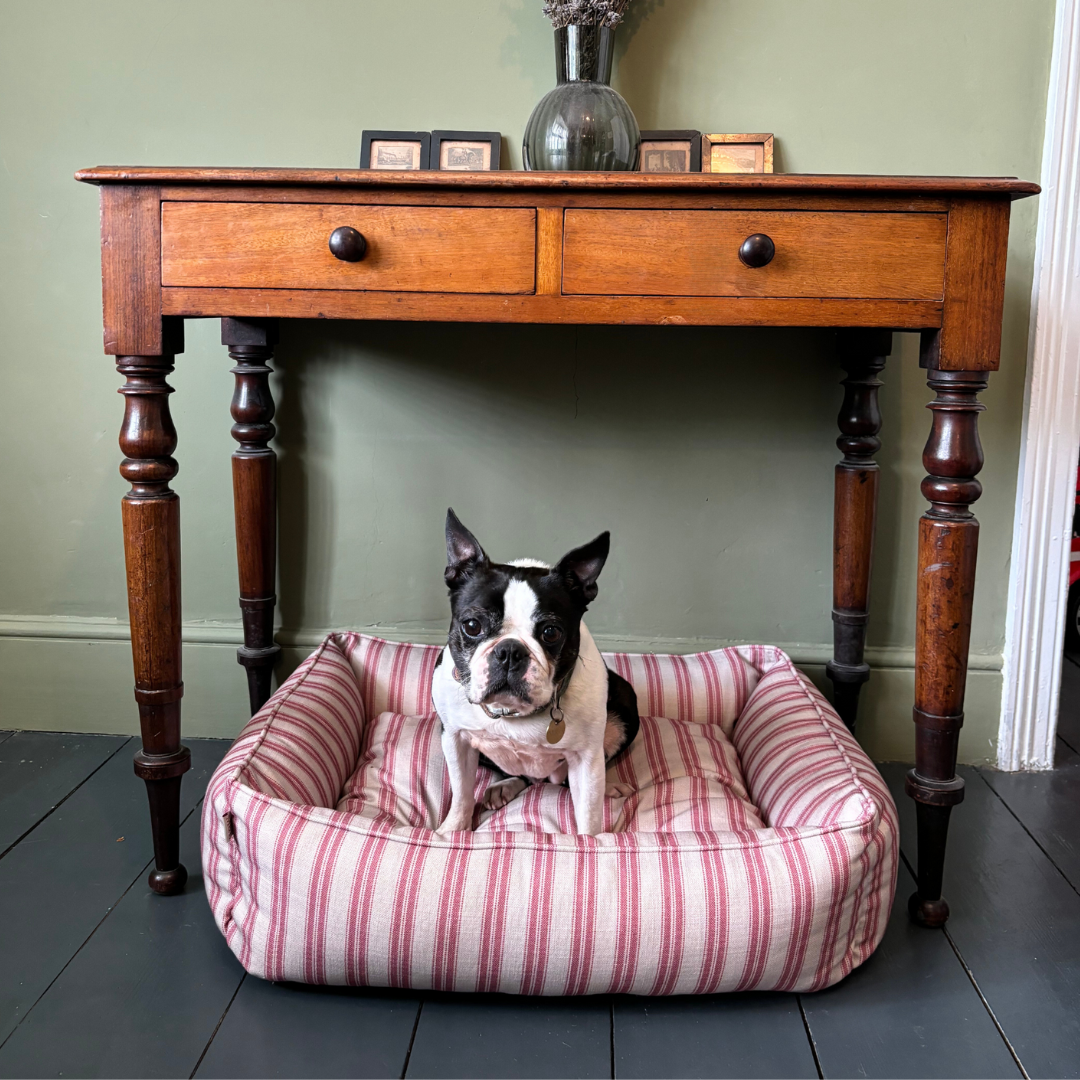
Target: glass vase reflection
[{"x": 582, "y": 124}]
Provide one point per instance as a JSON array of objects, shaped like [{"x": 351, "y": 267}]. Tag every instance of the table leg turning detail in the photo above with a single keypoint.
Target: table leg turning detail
[
  {"x": 151, "y": 517},
  {"x": 862, "y": 354},
  {"x": 254, "y": 468},
  {"x": 948, "y": 542}
]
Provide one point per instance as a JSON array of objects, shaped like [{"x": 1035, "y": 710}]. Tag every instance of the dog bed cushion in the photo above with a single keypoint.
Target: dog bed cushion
[{"x": 757, "y": 847}]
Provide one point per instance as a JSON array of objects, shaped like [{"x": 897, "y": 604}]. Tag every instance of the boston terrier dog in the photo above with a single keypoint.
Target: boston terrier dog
[{"x": 522, "y": 683}]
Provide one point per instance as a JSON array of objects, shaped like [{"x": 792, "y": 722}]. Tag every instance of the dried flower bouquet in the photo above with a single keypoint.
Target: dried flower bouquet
[{"x": 585, "y": 12}]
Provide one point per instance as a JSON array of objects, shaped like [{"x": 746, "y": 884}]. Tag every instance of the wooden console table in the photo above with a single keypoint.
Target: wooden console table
[{"x": 867, "y": 255}]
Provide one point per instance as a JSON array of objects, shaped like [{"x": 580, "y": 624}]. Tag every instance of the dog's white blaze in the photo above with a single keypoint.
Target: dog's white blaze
[
  {"x": 535, "y": 563},
  {"x": 519, "y": 621},
  {"x": 519, "y": 610},
  {"x": 519, "y": 614}
]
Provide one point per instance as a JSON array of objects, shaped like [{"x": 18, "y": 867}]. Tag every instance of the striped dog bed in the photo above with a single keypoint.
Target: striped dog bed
[{"x": 757, "y": 849}]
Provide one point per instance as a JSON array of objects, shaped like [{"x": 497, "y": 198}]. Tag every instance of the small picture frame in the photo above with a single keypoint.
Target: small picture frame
[
  {"x": 737, "y": 153},
  {"x": 402, "y": 151},
  {"x": 465, "y": 151},
  {"x": 670, "y": 152}
]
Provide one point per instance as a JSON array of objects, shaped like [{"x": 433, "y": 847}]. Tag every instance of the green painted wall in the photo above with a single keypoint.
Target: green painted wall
[{"x": 708, "y": 453}]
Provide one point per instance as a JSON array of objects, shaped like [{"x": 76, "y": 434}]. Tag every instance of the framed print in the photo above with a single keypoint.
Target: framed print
[
  {"x": 737, "y": 153},
  {"x": 465, "y": 151},
  {"x": 398, "y": 150},
  {"x": 670, "y": 151}
]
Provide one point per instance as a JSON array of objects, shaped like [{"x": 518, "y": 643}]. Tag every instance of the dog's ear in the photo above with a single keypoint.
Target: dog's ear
[
  {"x": 463, "y": 550},
  {"x": 582, "y": 566}
]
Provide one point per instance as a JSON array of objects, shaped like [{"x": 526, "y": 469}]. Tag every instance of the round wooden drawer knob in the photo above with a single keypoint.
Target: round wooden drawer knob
[
  {"x": 757, "y": 250},
  {"x": 348, "y": 245}
]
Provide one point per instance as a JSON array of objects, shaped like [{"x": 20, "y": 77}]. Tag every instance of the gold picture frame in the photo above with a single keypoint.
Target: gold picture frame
[{"x": 748, "y": 153}]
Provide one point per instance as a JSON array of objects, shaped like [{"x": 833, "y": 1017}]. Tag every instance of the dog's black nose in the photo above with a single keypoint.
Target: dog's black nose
[{"x": 512, "y": 656}]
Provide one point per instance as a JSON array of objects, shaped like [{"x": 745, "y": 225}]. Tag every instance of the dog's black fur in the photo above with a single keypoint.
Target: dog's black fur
[{"x": 622, "y": 710}]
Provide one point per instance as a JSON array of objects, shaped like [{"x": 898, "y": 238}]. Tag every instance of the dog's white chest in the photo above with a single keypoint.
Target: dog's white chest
[{"x": 519, "y": 759}]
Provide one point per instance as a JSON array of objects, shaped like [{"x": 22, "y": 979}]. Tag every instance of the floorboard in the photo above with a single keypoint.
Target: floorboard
[
  {"x": 723, "y": 1035},
  {"x": 1069, "y": 712},
  {"x": 285, "y": 1030},
  {"x": 143, "y": 994},
  {"x": 100, "y": 978},
  {"x": 1016, "y": 922},
  {"x": 909, "y": 1011},
  {"x": 494, "y": 1035},
  {"x": 58, "y": 883},
  {"x": 1048, "y": 806},
  {"x": 39, "y": 769}
]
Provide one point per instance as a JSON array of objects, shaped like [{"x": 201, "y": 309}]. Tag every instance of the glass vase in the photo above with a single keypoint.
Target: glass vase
[{"x": 582, "y": 124}]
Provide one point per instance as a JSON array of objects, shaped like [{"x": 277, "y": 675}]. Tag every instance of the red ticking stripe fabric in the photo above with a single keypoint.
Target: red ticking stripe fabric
[{"x": 757, "y": 850}]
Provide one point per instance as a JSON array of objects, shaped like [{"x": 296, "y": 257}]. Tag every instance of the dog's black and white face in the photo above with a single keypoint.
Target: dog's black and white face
[{"x": 515, "y": 627}]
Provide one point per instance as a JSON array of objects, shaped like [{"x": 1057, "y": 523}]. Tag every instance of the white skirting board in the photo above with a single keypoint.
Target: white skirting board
[{"x": 1051, "y": 436}]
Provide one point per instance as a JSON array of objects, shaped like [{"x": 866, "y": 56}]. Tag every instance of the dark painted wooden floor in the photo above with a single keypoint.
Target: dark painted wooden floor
[{"x": 98, "y": 977}]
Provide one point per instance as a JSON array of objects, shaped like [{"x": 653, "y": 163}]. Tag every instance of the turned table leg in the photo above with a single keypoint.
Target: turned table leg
[
  {"x": 948, "y": 540},
  {"x": 862, "y": 355},
  {"x": 254, "y": 467},
  {"x": 151, "y": 516}
]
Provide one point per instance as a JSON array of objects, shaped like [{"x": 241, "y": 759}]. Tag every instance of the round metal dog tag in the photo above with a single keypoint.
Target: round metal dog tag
[{"x": 555, "y": 730}]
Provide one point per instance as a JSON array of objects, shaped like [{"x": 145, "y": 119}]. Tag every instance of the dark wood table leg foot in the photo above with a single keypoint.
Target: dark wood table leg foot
[
  {"x": 165, "y": 816},
  {"x": 862, "y": 354},
  {"x": 151, "y": 516},
  {"x": 254, "y": 466},
  {"x": 948, "y": 543},
  {"x": 932, "y": 824}
]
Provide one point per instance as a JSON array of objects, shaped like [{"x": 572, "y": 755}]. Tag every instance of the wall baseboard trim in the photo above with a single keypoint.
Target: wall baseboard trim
[
  {"x": 1042, "y": 524},
  {"x": 83, "y": 684},
  {"x": 74, "y": 628}
]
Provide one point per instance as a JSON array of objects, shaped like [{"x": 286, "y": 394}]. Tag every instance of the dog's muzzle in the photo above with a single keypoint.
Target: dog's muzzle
[{"x": 510, "y": 692}]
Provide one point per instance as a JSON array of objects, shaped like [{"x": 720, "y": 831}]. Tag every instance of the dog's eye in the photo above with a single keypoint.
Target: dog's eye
[
  {"x": 550, "y": 634},
  {"x": 471, "y": 627}
]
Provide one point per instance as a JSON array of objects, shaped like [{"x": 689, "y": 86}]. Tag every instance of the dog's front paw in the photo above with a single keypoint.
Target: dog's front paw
[
  {"x": 453, "y": 824},
  {"x": 618, "y": 791},
  {"x": 503, "y": 791}
]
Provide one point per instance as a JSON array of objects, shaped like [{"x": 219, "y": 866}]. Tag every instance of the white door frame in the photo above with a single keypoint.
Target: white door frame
[{"x": 1045, "y": 493}]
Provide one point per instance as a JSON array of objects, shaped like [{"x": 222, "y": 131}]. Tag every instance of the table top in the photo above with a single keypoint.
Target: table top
[{"x": 992, "y": 186}]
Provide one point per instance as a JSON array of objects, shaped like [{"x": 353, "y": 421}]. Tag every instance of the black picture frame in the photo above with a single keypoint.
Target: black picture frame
[
  {"x": 493, "y": 138},
  {"x": 422, "y": 137},
  {"x": 693, "y": 137}
]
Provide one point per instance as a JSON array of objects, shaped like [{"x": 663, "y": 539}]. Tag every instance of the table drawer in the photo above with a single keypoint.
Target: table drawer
[
  {"x": 899, "y": 256},
  {"x": 409, "y": 248}
]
